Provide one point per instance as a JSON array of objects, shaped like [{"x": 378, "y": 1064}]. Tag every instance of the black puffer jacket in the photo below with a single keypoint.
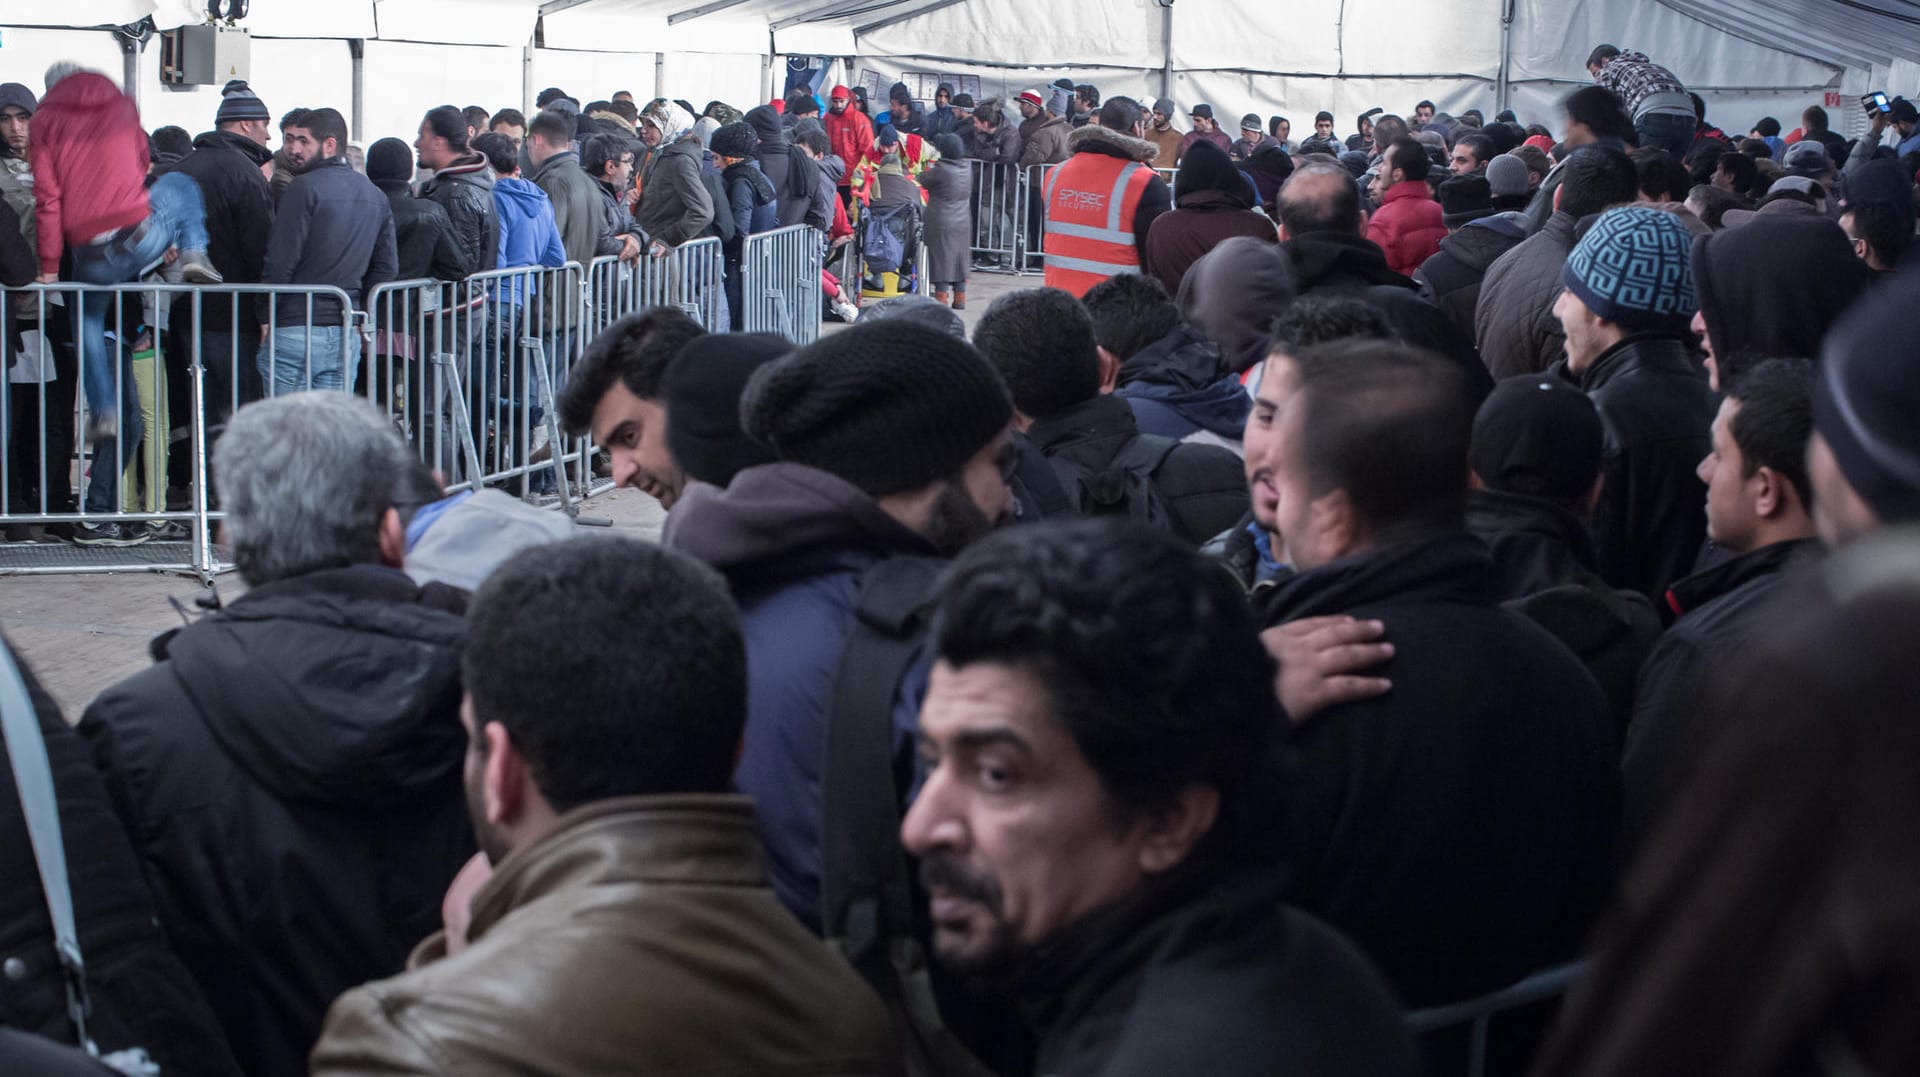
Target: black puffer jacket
[
  {"x": 142, "y": 995},
  {"x": 239, "y": 218},
  {"x": 1203, "y": 487},
  {"x": 1721, "y": 611},
  {"x": 1339, "y": 263},
  {"x": 1550, "y": 572},
  {"x": 424, "y": 238},
  {"x": 1451, "y": 279},
  {"x": 1656, "y": 410},
  {"x": 290, "y": 773},
  {"x": 1223, "y": 980},
  {"x": 1459, "y": 828},
  {"x": 465, "y": 190}
]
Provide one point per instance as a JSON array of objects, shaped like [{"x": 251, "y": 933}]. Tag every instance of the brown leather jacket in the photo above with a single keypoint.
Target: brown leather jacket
[{"x": 639, "y": 937}]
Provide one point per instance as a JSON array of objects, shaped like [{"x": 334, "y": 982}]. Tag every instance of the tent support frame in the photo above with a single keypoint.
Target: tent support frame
[{"x": 1166, "y": 43}]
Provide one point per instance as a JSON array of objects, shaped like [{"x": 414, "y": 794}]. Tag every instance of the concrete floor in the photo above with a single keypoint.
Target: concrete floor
[{"x": 82, "y": 633}]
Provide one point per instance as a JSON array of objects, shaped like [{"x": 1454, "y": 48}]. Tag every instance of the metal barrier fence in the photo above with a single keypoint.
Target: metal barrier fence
[
  {"x": 92, "y": 396},
  {"x": 997, "y": 209},
  {"x": 1009, "y": 216},
  {"x": 780, "y": 283},
  {"x": 1477, "y": 1014},
  {"x": 468, "y": 372},
  {"x": 688, "y": 278}
]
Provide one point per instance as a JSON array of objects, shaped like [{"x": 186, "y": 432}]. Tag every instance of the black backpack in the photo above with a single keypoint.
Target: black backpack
[
  {"x": 1125, "y": 487},
  {"x": 867, "y": 896}
]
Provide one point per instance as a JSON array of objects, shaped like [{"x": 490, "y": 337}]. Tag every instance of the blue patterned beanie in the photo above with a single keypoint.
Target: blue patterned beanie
[{"x": 1634, "y": 267}]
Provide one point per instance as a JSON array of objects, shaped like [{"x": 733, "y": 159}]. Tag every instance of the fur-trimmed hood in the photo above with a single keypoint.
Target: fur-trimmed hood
[{"x": 1112, "y": 142}]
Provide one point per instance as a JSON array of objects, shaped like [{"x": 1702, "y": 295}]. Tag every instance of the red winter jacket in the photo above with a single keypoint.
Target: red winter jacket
[
  {"x": 1408, "y": 226},
  {"x": 851, "y": 133},
  {"x": 89, "y": 157}
]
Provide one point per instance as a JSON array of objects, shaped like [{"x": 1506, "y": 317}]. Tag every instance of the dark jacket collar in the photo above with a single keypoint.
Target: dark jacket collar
[
  {"x": 1182, "y": 358},
  {"x": 1110, "y": 948},
  {"x": 1448, "y": 567},
  {"x": 1320, "y": 256},
  {"x": 688, "y": 839},
  {"x": 1642, "y": 351},
  {"x": 559, "y": 162},
  {"x": 1103, "y": 418},
  {"x": 1497, "y": 511},
  {"x": 230, "y": 140},
  {"x": 1703, "y": 587},
  {"x": 772, "y": 514}
]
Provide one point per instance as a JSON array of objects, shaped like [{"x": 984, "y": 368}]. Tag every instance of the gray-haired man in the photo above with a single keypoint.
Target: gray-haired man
[{"x": 289, "y": 770}]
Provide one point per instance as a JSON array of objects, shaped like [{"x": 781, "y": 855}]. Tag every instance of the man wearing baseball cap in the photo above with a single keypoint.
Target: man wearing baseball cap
[
  {"x": 1203, "y": 127},
  {"x": 1903, "y": 117}
]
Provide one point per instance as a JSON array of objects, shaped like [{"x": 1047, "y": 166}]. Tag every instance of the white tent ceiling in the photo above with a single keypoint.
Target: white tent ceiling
[{"x": 1747, "y": 57}]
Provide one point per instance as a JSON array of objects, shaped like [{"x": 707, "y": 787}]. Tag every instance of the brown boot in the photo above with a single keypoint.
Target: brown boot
[
  {"x": 940, "y": 298},
  {"x": 959, "y": 300}
]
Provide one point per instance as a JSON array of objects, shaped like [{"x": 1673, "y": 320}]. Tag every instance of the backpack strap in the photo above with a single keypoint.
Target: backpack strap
[
  {"x": 33, "y": 780},
  {"x": 866, "y": 896},
  {"x": 1145, "y": 453}
]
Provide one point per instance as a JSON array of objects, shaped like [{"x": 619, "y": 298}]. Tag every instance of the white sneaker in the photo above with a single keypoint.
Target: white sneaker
[{"x": 847, "y": 311}]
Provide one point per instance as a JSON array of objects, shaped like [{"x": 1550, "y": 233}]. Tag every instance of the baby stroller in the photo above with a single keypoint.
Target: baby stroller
[{"x": 889, "y": 235}]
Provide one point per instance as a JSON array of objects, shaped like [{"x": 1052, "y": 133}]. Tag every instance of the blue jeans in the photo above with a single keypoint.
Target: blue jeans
[
  {"x": 177, "y": 217},
  {"x": 309, "y": 357},
  {"x": 1668, "y": 131}
]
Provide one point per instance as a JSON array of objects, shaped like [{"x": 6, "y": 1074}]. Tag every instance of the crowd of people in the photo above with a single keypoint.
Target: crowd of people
[{"x": 1443, "y": 564}]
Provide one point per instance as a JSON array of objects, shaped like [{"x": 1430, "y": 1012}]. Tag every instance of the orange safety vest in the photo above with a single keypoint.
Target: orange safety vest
[{"x": 1091, "y": 202}]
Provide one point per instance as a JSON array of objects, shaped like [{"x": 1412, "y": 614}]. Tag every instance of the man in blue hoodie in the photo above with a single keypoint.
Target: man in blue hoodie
[{"x": 1172, "y": 378}]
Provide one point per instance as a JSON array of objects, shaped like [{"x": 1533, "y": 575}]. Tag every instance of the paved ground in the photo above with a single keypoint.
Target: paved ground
[{"x": 82, "y": 633}]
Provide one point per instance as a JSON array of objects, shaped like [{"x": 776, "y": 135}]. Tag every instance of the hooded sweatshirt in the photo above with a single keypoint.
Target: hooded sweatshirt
[
  {"x": 1178, "y": 387},
  {"x": 793, "y": 543},
  {"x": 1232, "y": 295},
  {"x": 529, "y": 235},
  {"x": 1772, "y": 287},
  {"x": 774, "y": 143},
  {"x": 89, "y": 158}
]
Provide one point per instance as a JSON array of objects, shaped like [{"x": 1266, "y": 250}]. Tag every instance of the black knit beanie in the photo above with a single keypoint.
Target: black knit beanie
[
  {"x": 702, "y": 389},
  {"x": 887, "y": 407},
  {"x": 390, "y": 161},
  {"x": 1867, "y": 395}
]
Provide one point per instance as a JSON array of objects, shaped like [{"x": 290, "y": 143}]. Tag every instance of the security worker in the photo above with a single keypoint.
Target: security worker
[{"x": 1101, "y": 202}]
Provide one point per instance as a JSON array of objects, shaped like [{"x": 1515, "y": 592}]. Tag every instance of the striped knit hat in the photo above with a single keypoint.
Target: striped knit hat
[{"x": 1635, "y": 268}]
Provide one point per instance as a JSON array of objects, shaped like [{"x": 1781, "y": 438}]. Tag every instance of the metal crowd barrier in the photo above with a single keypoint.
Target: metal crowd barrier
[
  {"x": 167, "y": 363},
  {"x": 687, "y": 278},
  {"x": 996, "y": 208},
  {"x": 1010, "y": 216},
  {"x": 1033, "y": 220},
  {"x": 780, "y": 290},
  {"x": 1478, "y": 1013},
  {"x": 470, "y": 372}
]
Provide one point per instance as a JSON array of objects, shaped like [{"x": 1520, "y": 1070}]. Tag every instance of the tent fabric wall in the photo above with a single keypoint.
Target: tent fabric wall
[{"x": 1747, "y": 58}]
